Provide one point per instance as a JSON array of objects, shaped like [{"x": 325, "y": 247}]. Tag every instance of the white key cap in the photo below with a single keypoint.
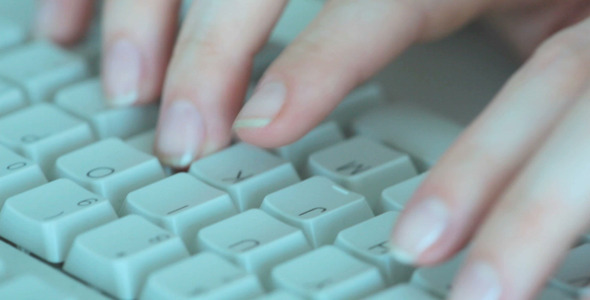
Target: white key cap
[
  {"x": 143, "y": 141},
  {"x": 396, "y": 196},
  {"x": 247, "y": 173},
  {"x": 189, "y": 205},
  {"x": 122, "y": 254},
  {"x": 254, "y": 240},
  {"x": 10, "y": 34},
  {"x": 11, "y": 98},
  {"x": 319, "y": 207},
  {"x": 369, "y": 242},
  {"x": 203, "y": 276},
  {"x": 28, "y": 287},
  {"x": 110, "y": 168},
  {"x": 40, "y": 69},
  {"x": 16, "y": 264},
  {"x": 437, "y": 280},
  {"x": 327, "y": 273},
  {"x": 46, "y": 219},
  {"x": 43, "y": 133},
  {"x": 323, "y": 136},
  {"x": 357, "y": 102},
  {"x": 574, "y": 273},
  {"x": 86, "y": 101},
  {"x": 402, "y": 292},
  {"x": 363, "y": 166},
  {"x": 17, "y": 174},
  {"x": 279, "y": 295},
  {"x": 421, "y": 133}
]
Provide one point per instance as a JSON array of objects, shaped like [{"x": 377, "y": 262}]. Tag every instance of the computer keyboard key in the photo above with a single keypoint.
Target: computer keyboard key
[
  {"x": 203, "y": 276},
  {"x": 423, "y": 134},
  {"x": 363, "y": 166},
  {"x": 181, "y": 204},
  {"x": 143, "y": 141},
  {"x": 574, "y": 273},
  {"x": 319, "y": 207},
  {"x": 17, "y": 174},
  {"x": 42, "y": 133},
  {"x": 397, "y": 196},
  {"x": 29, "y": 287},
  {"x": 402, "y": 292},
  {"x": 324, "y": 135},
  {"x": 327, "y": 273},
  {"x": 45, "y": 220},
  {"x": 246, "y": 172},
  {"x": 438, "y": 280},
  {"x": 10, "y": 34},
  {"x": 11, "y": 98},
  {"x": 110, "y": 168},
  {"x": 30, "y": 273},
  {"x": 358, "y": 101},
  {"x": 279, "y": 295},
  {"x": 87, "y": 101},
  {"x": 117, "y": 257},
  {"x": 369, "y": 242},
  {"x": 40, "y": 68},
  {"x": 255, "y": 241}
]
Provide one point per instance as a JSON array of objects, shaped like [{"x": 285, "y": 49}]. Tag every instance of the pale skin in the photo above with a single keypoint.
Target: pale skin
[{"x": 516, "y": 183}]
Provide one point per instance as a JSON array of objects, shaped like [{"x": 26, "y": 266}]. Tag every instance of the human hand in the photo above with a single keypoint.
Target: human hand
[{"x": 495, "y": 176}]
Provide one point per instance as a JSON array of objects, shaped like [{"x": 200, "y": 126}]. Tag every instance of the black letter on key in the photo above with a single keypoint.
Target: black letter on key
[
  {"x": 16, "y": 166},
  {"x": 100, "y": 172},
  {"x": 380, "y": 248},
  {"x": 354, "y": 168},
  {"x": 238, "y": 177},
  {"x": 244, "y": 245},
  {"x": 320, "y": 209}
]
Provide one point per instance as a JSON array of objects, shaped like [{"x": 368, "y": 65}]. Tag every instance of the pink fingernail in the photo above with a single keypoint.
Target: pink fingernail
[
  {"x": 478, "y": 281},
  {"x": 423, "y": 225},
  {"x": 263, "y": 106},
  {"x": 46, "y": 14},
  {"x": 180, "y": 134},
  {"x": 122, "y": 71}
]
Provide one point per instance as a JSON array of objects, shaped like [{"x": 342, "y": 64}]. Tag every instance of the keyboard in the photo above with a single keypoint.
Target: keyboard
[{"x": 88, "y": 212}]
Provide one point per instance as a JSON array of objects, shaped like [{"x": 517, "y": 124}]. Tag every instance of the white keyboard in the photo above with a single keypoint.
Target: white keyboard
[{"x": 87, "y": 211}]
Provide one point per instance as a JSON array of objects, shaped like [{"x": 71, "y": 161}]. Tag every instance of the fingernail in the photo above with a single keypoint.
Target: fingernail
[
  {"x": 478, "y": 281},
  {"x": 421, "y": 228},
  {"x": 122, "y": 71},
  {"x": 263, "y": 106},
  {"x": 46, "y": 13},
  {"x": 180, "y": 135}
]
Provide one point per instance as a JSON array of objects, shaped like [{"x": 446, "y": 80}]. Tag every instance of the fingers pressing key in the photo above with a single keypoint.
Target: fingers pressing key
[
  {"x": 346, "y": 44},
  {"x": 138, "y": 40},
  {"x": 541, "y": 213},
  {"x": 208, "y": 75}
]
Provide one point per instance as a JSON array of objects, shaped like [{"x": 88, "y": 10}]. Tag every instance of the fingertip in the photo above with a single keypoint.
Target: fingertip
[
  {"x": 180, "y": 135},
  {"x": 122, "y": 68},
  {"x": 63, "y": 21}
]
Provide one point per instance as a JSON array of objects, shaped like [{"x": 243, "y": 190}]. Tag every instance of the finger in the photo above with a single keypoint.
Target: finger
[
  {"x": 447, "y": 208},
  {"x": 138, "y": 40},
  {"x": 347, "y": 43},
  {"x": 209, "y": 74},
  {"x": 63, "y": 21},
  {"x": 537, "y": 220}
]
